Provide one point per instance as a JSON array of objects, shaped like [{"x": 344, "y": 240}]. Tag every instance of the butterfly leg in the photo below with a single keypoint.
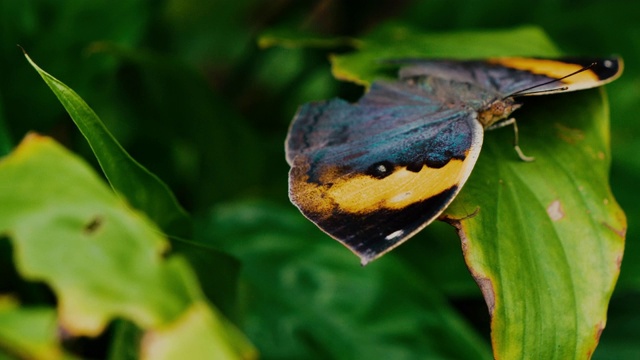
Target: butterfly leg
[{"x": 512, "y": 121}]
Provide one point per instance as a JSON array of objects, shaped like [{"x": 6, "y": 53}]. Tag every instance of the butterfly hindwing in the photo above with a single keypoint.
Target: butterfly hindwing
[{"x": 372, "y": 174}]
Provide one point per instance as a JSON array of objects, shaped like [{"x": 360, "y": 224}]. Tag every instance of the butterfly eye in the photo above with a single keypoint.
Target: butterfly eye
[
  {"x": 381, "y": 169},
  {"x": 498, "y": 108}
]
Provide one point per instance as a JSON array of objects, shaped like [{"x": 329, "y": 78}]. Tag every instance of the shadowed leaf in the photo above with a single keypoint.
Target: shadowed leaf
[{"x": 143, "y": 190}]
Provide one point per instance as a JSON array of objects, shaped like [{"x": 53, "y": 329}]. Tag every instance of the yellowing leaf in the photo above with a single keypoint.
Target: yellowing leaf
[
  {"x": 190, "y": 337},
  {"x": 72, "y": 232},
  {"x": 102, "y": 259},
  {"x": 29, "y": 332}
]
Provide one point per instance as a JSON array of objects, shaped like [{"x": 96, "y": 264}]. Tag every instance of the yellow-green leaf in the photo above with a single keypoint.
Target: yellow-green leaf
[
  {"x": 102, "y": 259},
  {"x": 29, "y": 333}
]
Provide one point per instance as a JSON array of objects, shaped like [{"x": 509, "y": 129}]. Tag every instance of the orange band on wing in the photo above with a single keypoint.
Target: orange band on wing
[
  {"x": 551, "y": 68},
  {"x": 396, "y": 191},
  {"x": 361, "y": 192}
]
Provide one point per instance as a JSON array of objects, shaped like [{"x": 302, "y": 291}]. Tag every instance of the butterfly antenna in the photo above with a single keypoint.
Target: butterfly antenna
[{"x": 550, "y": 82}]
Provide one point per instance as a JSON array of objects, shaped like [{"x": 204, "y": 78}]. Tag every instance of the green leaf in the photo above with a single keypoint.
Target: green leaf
[
  {"x": 125, "y": 340},
  {"x": 195, "y": 335},
  {"x": 547, "y": 242},
  {"x": 397, "y": 42},
  {"x": 102, "y": 259},
  {"x": 30, "y": 333},
  {"x": 148, "y": 192},
  {"x": 64, "y": 232},
  {"x": 306, "y": 298},
  {"x": 143, "y": 190}
]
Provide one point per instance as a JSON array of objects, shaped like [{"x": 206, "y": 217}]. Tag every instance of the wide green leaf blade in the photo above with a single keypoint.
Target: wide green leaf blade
[
  {"x": 548, "y": 239},
  {"x": 143, "y": 189},
  {"x": 102, "y": 259}
]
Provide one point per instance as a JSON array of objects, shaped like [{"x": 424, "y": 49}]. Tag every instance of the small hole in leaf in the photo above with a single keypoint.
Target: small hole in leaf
[{"x": 93, "y": 225}]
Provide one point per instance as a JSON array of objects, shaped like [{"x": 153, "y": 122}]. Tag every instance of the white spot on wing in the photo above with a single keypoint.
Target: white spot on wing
[
  {"x": 608, "y": 63},
  {"x": 394, "y": 235},
  {"x": 400, "y": 197}
]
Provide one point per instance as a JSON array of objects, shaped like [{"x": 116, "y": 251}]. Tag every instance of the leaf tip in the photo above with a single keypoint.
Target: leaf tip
[
  {"x": 35, "y": 137},
  {"x": 30, "y": 142},
  {"x": 24, "y": 52}
]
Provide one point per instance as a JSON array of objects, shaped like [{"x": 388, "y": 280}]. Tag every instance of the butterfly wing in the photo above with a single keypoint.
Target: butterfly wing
[
  {"x": 514, "y": 75},
  {"x": 372, "y": 174}
]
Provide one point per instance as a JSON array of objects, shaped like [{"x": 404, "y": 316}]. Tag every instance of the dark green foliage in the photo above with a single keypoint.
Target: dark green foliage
[{"x": 184, "y": 87}]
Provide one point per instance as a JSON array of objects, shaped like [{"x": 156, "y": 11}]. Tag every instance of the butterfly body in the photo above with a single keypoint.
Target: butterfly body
[{"x": 374, "y": 173}]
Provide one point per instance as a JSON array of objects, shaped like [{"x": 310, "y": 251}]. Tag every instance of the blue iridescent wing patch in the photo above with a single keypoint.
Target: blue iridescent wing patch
[{"x": 373, "y": 173}]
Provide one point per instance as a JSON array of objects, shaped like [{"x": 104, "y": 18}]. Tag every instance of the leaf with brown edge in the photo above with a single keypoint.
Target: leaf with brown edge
[{"x": 546, "y": 244}]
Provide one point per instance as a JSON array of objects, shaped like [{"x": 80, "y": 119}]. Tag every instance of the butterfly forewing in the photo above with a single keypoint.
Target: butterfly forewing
[
  {"x": 512, "y": 75},
  {"x": 372, "y": 174}
]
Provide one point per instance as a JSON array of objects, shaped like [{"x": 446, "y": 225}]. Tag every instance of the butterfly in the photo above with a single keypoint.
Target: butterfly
[{"x": 372, "y": 174}]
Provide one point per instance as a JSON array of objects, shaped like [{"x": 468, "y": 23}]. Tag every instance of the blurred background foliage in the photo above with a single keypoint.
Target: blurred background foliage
[{"x": 184, "y": 87}]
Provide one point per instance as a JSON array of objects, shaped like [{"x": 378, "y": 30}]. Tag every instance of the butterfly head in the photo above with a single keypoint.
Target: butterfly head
[{"x": 496, "y": 111}]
